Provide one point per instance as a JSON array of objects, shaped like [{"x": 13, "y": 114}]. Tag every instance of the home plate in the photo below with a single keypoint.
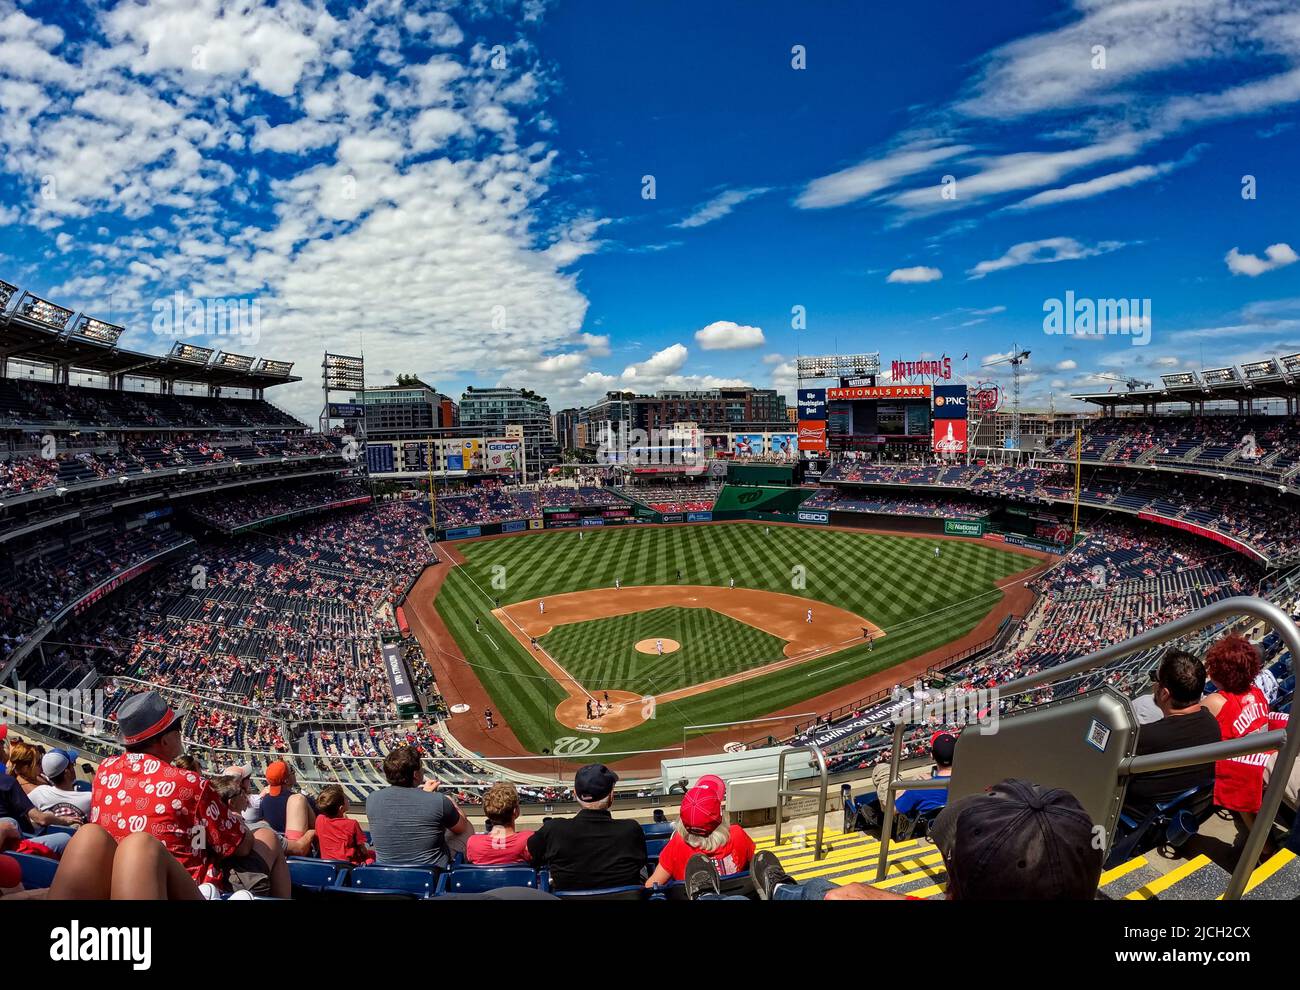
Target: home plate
[{"x": 649, "y": 646}]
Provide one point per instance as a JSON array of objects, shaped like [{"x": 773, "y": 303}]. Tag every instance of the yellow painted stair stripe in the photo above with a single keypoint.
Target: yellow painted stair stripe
[
  {"x": 926, "y": 892},
  {"x": 926, "y": 865},
  {"x": 830, "y": 838},
  {"x": 1169, "y": 879},
  {"x": 831, "y": 864},
  {"x": 1124, "y": 869},
  {"x": 1265, "y": 871},
  {"x": 805, "y": 857}
]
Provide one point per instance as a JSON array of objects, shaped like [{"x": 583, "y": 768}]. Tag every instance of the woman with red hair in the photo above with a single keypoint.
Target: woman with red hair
[{"x": 1232, "y": 664}]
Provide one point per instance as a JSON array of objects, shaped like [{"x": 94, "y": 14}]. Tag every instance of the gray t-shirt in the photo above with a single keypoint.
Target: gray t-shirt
[{"x": 408, "y": 826}]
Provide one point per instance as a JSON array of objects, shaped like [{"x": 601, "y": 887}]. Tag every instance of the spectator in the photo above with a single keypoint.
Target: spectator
[
  {"x": 919, "y": 802},
  {"x": 410, "y": 820},
  {"x": 4, "y": 749},
  {"x": 339, "y": 836},
  {"x": 702, "y": 828},
  {"x": 25, "y": 764},
  {"x": 290, "y": 813},
  {"x": 1239, "y": 706},
  {"x": 58, "y": 795},
  {"x": 96, "y": 866},
  {"x": 18, "y": 815},
  {"x": 194, "y": 824},
  {"x": 500, "y": 845},
  {"x": 592, "y": 849},
  {"x": 1017, "y": 841},
  {"x": 1180, "y": 685}
]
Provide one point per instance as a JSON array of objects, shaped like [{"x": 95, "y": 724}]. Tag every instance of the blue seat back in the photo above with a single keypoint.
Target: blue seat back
[
  {"x": 653, "y": 847},
  {"x": 306, "y": 872},
  {"x": 418, "y": 880},
  {"x": 38, "y": 871},
  {"x": 480, "y": 879},
  {"x": 629, "y": 893},
  {"x": 657, "y": 830}
]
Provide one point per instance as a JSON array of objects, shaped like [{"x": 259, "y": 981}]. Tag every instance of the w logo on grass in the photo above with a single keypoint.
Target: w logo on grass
[{"x": 574, "y": 746}]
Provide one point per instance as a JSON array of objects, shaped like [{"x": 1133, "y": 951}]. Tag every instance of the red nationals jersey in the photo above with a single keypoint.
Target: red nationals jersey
[{"x": 139, "y": 793}]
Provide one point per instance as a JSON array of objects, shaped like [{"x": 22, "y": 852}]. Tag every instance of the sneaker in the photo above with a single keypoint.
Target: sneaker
[
  {"x": 701, "y": 877},
  {"x": 767, "y": 872}
]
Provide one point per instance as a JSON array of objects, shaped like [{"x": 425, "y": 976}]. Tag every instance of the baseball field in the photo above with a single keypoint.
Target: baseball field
[{"x": 624, "y": 638}]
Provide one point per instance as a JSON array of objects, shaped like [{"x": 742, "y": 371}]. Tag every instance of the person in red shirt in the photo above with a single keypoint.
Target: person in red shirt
[
  {"x": 500, "y": 844},
  {"x": 337, "y": 835},
  {"x": 702, "y": 828},
  {"x": 141, "y": 791},
  {"x": 1240, "y": 707}
]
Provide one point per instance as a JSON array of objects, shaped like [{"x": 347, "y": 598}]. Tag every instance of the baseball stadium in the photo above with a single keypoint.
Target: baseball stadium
[{"x": 447, "y": 456}]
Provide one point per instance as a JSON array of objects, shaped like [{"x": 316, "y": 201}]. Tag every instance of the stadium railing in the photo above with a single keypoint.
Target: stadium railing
[{"x": 1287, "y": 743}]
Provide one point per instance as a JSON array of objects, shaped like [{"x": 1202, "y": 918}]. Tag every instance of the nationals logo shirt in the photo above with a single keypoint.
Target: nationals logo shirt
[{"x": 139, "y": 793}]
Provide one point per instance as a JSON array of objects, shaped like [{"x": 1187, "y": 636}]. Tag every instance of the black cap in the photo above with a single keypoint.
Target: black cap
[
  {"x": 594, "y": 782},
  {"x": 942, "y": 747},
  {"x": 1018, "y": 841}
]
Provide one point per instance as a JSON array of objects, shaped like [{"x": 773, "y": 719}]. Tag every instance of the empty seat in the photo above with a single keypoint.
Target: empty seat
[
  {"x": 315, "y": 873},
  {"x": 38, "y": 871}
]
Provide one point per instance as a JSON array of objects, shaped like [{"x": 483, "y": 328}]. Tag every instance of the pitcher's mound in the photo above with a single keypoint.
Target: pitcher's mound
[{"x": 648, "y": 646}]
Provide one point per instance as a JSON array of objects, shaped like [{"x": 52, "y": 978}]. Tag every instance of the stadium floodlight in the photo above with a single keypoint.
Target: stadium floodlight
[
  {"x": 279, "y": 368},
  {"x": 1219, "y": 376},
  {"x": 1183, "y": 379},
  {"x": 1290, "y": 364},
  {"x": 837, "y": 365},
  {"x": 1256, "y": 370},
  {"x": 40, "y": 310},
  {"x": 100, "y": 332},
  {"x": 190, "y": 353},
  {"x": 6, "y": 293},
  {"x": 344, "y": 373},
  {"x": 233, "y": 362}
]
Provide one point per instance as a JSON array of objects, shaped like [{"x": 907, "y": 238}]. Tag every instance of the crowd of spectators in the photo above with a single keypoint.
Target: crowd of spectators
[{"x": 225, "y": 510}]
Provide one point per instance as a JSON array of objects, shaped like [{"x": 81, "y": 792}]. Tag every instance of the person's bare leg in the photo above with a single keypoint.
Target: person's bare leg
[
  {"x": 85, "y": 870},
  {"x": 267, "y": 845},
  {"x": 144, "y": 870}
]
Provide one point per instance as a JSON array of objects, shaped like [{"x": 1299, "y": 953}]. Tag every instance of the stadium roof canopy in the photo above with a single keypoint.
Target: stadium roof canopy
[
  {"x": 1270, "y": 378},
  {"x": 90, "y": 345}
]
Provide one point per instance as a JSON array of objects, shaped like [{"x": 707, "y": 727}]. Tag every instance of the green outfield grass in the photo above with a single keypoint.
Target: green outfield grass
[
  {"x": 921, "y": 601},
  {"x": 602, "y": 653}
]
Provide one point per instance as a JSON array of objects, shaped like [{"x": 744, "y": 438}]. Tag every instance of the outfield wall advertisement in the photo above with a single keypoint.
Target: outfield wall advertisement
[{"x": 963, "y": 527}]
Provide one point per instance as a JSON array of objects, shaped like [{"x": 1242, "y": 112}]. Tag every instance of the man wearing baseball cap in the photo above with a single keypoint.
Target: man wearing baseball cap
[
  {"x": 58, "y": 795},
  {"x": 703, "y": 828},
  {"x": 287, "y": 810},
  {"x": 141, "y": 791},
  {"x": 1017, "y": 841},
  {"x": 593, "y": 849}
]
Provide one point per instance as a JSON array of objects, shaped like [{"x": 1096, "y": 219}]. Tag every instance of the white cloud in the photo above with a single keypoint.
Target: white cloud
[
  {"x": 1066, "y": 365},
  {"x": 1046, "y": 251},
  {"x": 724, "y": 335},
  {"x": 719, "y": 206},
  {"x": 1275, "y": 256},
  {"x": 874, "y": 174},
  {"x": 1094, "y": 187},
  {"x": 919, "y": 273}
]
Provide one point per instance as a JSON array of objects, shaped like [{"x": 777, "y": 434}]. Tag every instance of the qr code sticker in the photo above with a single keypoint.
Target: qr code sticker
[{"x": 1098, "y": 735}]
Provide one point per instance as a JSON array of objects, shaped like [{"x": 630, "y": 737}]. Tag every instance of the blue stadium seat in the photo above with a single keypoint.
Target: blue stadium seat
[
  {"x": 657, "y": 829},
  {"x": 313, "y": 874},
  {"x": 653, "y": 847},
  {"x": 418, "y": 880},
  {"x": 38, "y": 871},
  {"x": 367, "y": 894},
  {"x": 480, "y": 879},
  {"x": 630, "y": 893},
  {"x": 1170, "y": 823}
]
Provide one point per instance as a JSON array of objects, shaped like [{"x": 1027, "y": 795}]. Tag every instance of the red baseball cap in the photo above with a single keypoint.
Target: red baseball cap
[
  {"x": 276, "y": 774},
  {"x": 714, "y": 783},
  {"x": 4, "y": 731},
  {"x": 701, "y": 810}
]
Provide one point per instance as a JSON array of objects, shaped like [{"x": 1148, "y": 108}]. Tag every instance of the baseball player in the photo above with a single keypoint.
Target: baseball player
[
  {"x": 617, "y": 584},
  {"x": 936, "y": 553},
  {"x": 808, "y": 617},
  {"x": 541, "y": 606},
  {"x": 659, "y": 645},
  {"x": 732, "y": 584}
]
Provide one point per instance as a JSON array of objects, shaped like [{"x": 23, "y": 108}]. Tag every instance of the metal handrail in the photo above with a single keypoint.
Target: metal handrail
[
  {"x": 782, "y": 792},
  {"x": 1287, "y": 743}
]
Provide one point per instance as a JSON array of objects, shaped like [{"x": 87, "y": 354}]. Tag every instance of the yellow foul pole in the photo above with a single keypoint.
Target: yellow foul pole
[
  {"x": 1078, "y": 475},
  {"x": 433, "y": 501}
]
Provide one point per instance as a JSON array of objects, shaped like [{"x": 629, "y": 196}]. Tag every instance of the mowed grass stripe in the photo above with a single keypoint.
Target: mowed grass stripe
[{"x": 892, "y": 580}]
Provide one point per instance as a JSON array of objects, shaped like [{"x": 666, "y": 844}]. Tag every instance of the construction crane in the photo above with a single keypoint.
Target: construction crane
[
  {"x": 1017, "y": 358},
  {"x": 1129, "y": 381}
]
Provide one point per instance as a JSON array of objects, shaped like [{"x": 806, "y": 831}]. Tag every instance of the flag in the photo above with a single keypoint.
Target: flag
[{"x": 965, "y": 356}]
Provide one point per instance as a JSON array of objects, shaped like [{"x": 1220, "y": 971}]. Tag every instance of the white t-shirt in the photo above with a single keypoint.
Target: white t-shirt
[{"x": 47, "y": 797}]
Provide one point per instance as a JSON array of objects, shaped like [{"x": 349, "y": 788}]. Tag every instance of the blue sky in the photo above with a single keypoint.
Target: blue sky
[{"x": 462, "y": 185}]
